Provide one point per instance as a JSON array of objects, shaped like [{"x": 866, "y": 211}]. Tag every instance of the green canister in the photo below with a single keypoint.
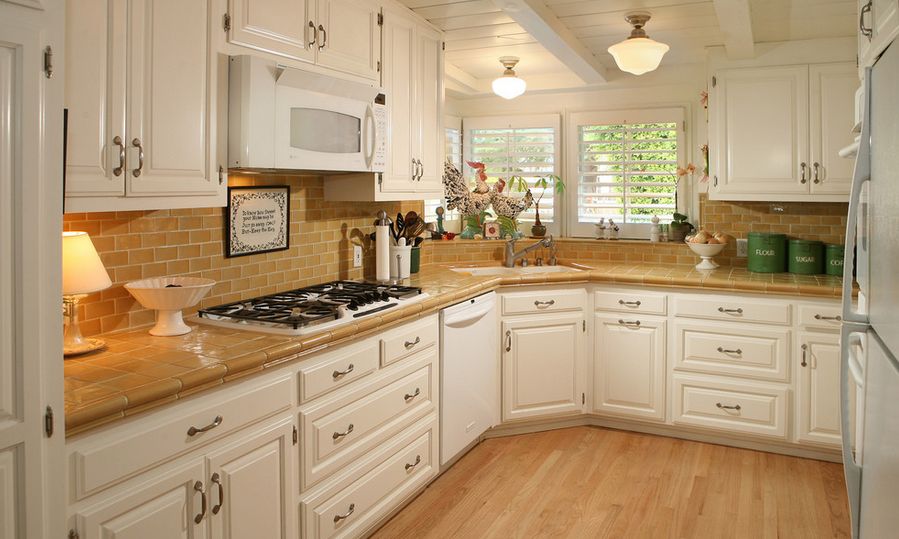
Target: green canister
[
  {"x": 767, "y": 252},
  {"x": 833, "y": 259},
  {"x": 806, "y": 257}
]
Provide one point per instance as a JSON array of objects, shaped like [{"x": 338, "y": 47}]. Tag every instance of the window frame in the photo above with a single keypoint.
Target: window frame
[
  {"x": 574, "y": 120},
  {"x": 528, "y": 121},
  {"x": 429, "y": 206}
]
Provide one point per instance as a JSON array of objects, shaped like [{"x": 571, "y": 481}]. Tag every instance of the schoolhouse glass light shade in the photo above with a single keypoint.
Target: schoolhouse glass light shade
[
  {"x": 509, "y": 85},
  {"x": 638, "y": 54}
]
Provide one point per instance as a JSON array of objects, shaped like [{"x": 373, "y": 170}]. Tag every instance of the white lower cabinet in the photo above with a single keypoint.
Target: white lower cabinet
[
  {"x": 629, "y": 366},
  {"x": 818, "y": 388},
  {"x": 543, "y": 365}
]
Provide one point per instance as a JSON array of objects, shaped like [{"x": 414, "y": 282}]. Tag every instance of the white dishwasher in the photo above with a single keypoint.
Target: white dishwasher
[{"x": 469, "y": 373}]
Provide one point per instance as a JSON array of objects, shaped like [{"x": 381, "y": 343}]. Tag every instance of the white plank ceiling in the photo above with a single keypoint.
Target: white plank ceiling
[{"x": 478, "y": 32}]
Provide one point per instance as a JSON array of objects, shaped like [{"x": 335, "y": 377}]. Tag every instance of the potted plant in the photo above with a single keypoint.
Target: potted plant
[
  {"x": 538, "y": 230},
  {"x": 679, "y": 227}
]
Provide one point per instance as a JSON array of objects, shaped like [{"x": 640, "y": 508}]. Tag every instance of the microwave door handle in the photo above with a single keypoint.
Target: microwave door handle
[
  {"x": 860, "y": 176},
  {"x": 369, "y": 137}
]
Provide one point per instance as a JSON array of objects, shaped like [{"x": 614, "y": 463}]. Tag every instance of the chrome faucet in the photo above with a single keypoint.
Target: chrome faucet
[{"x": 512, "y": 255}]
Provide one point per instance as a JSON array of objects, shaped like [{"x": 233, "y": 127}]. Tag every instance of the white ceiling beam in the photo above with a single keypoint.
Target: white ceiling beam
[
  {"x": 461, "y": 81},
  {"x": 540, "y": 22},
  {"x": 735, "y": 21}
]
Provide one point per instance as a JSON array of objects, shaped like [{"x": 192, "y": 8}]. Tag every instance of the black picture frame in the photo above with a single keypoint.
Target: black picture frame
[{"x": 274, "y": 202}]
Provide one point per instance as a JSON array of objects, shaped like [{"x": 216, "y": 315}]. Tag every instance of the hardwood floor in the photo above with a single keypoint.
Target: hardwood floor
[{"x": 593, "y": 482}]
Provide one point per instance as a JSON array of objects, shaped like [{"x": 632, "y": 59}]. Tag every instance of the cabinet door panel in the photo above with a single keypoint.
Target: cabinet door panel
[
  {"x": 397, "y": 79},
  {"x": 832, "y": 107},
  {"x": 761, "y": 118},
  {"x": 542, "y": 366},
  {"x": 429, "y": 112},
  {"x": 351, "y": 42},
  {"x": 818, "y": 390},
  {"x": 171, "y": 107},
  {"x": 256, "y": 479},
  {"x": 277, "y": 26},
  {"x": 95, "y": 96},
  {"x": 629, "y": 367},
  {"x": 164, "y": 508}
]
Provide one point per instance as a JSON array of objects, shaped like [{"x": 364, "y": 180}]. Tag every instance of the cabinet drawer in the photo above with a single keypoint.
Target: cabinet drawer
[
  {"x": 337, "y": 432},
  {"x": 108, "y": 457},
  {"x": 717, "y": 348},
  {"x": 543, "y": 302},
  {"x": 732, "y": 308},
  {"x": 627, "y": 301},
  {"x": 746, "y": 407},
  {"x": 338, "y": 369},
  {"x": 350, "y": 512},
  {"x": 410, "y": 338},
  {"x": 821, "y": 316}
]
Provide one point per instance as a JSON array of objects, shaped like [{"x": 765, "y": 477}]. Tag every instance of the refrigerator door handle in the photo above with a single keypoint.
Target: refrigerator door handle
[
  {"x": 853, "y": 472},
  {"x": 860, "y": 175}
]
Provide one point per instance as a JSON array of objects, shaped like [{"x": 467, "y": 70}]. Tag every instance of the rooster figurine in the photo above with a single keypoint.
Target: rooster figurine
[
  {"x": 509, "y": 206},
  {"x": 459, "y": 197}
]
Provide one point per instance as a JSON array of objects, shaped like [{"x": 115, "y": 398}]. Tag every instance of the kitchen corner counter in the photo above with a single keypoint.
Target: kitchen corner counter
[{"x": 138, "y": 372}]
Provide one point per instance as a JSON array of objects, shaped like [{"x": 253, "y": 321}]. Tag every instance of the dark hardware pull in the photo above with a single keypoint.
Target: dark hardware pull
[{"x": 193, "y": 431}]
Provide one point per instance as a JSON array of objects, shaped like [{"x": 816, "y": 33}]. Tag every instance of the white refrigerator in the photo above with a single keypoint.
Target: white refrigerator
[{"x": 870, "y": 333}]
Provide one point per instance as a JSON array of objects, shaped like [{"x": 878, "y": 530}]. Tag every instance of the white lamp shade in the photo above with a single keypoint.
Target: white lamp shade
[
  {"x": 82, "y": 269},
  {"x": 509, "y": 87},
  {"x": 638, "y": 55}
]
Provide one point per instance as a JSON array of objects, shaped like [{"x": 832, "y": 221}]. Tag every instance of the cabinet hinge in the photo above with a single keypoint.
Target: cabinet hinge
[
  {"x": 716, "y": 181},
  {"x": 379, "y": 66},
  {"x": 380, "y": 178},
  {"x": 584, "y": 322},
  {"x": 226, "y": 22},
  {"x": 296, "y": 435},
  {"x": 73, "y": 534},
  {"x": 684, "y": 126},
  {"x": 221, "y": 174},
  {"x": 48, "y": 422},
  {"x": 48, "y": 61},
  {"x": 381, "y": 19},
  {"x": 714, "y": 81},
  {"x": 583, "y": 398},
  {"x": 443, "y": 45}
]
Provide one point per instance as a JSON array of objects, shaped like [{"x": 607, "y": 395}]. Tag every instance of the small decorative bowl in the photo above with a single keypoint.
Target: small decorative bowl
[
  {"x": 706, "y": 251},
  {"x": 168, "y": 295}
]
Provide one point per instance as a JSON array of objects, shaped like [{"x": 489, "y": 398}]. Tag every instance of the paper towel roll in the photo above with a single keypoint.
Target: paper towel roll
[{"x": 382, "y": 253}]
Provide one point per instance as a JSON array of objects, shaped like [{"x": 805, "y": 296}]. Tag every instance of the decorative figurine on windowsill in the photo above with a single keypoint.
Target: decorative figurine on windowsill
[{"x": 473, "y": 204}]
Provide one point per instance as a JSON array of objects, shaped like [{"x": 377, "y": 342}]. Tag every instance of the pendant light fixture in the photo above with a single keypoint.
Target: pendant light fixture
[
  {"x": 509, "y": 86},
  {"x": 638, "y": 54}
]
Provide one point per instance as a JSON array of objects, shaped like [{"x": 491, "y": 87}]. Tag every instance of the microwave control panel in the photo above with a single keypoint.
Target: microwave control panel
[{"x": 379, "y": 155}]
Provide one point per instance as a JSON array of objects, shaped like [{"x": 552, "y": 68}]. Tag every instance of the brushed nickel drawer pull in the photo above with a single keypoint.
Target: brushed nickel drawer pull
[
  {"x": 140, "y": 157},
  {"x": 121, "y": 144},
  {"x": 629, "y": 303},
  {"x": 635, "y": 323},
  {"x": 723, "y": 350},
  {"x": 198, "y": 487},
  {"x": 350, "y": 511},
  {"x": 549, "y": 303},
  {"x": 736, "y": 407},
  {"x": 311, "y": 44},
  {"x": 508, "y": 340},
  {"x": 408, "y": 397},
  {"x": 217, "y": 479},
  {"x": 324, "y": 42},
  {"x": 339, "y": 435},
  {"x": 802, "y": 170},
  {"x": 730, "y": 311},
  {"x": 836, "y": 318},
  {"x": 193, "y": 431},
  {"x": 414, "y": 464},
  {"x": 804, "y": 354},
  {"x": 817, "y": 167},
  {"x": 337, "y": 374},
  {"x": 410, "y": 344}
]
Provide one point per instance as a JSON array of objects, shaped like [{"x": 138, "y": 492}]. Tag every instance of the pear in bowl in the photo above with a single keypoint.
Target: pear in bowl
[{"x": 168, "y": 296}]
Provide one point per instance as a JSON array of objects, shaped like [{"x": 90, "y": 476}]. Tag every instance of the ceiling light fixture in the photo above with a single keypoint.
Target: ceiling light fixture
[
  {"x": 509, "y": 86},
  {"x": 638, "y": 54}
]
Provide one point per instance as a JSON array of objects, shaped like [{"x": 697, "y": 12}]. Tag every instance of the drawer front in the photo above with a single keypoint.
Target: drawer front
[
  {"x": 344, "y": 429},
  {"x": 717, "y": 348},
  {"x": 543, "y": 302},
  {"x": 338, "y": 369},
  {"x": 746, "y": 407},
  {"x": 109, "y": 457},
  {"x": 410, "y": 338},
  {"x": 821, "y": 316},
  {"x": 734, "y": 309},
  {"x": 627, "y": 301},
  {"x": 351, "y": 511}
]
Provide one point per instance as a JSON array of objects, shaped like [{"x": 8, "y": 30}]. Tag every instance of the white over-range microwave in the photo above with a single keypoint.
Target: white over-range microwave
[{"x": 283, "y": 118}]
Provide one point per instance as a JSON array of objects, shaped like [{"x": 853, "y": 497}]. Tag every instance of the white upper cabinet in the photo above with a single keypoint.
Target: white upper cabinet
[
  {"x": 878, "y": 22},
  {"x": 397, "y": 79},
  {"x": 776, "y": 131},
  {"x": 141, "y": 90},
  {"x": 429, "y": 96},
  {"x": 338, "y": 34}
]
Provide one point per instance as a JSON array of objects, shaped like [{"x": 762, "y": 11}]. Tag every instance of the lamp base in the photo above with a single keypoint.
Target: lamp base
[
  {"x": 73, "y": 343},
  {"x": 83, "y": 347}
]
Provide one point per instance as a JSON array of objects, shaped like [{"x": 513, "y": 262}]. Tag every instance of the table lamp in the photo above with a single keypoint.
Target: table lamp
[{"x": 82, "y": 274}]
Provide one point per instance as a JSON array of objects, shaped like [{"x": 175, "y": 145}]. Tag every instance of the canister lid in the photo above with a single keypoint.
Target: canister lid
[
  {"x": 833, "y": 246},
  {"x": 767, "y": 235},
  {"x": 805, "y": 242}
]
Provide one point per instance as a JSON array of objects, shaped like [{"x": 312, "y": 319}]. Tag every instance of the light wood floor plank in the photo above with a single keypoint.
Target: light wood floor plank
[{"x": 592, "y": 482}]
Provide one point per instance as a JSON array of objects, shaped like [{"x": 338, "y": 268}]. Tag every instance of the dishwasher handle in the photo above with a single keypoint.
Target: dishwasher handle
[{"x": 465, "y": 317}]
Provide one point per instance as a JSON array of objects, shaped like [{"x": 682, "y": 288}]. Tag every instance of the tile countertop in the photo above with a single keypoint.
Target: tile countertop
[{"x": 137, "y": 371}]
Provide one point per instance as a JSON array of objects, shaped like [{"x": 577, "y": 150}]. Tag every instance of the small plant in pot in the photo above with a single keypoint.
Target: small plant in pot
[
  {"x": 679, "y": 227},
  {"x": 538, "y": 230}
]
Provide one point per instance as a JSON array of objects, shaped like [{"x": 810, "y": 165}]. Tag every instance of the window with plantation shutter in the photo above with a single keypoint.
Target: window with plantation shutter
[
  {"x": 525, "y": 146},
  {"x": 623, "y": 166},
  {"x": 453, "y": 141}
]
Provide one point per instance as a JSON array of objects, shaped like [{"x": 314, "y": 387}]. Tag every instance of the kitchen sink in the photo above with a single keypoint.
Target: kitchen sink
[{"x": 502, "y": 270}]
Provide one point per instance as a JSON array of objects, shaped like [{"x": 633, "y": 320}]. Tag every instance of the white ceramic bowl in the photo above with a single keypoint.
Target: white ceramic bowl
[
  {"x": 168, "y": 295},
  {"x": 706, "y": 251}
]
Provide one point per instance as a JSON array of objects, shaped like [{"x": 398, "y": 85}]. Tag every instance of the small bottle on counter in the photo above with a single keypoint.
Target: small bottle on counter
[{"x": 654, "y": 230}]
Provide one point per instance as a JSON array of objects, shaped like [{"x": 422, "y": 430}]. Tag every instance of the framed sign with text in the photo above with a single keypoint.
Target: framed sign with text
[{"x": 258, "y": 220}]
